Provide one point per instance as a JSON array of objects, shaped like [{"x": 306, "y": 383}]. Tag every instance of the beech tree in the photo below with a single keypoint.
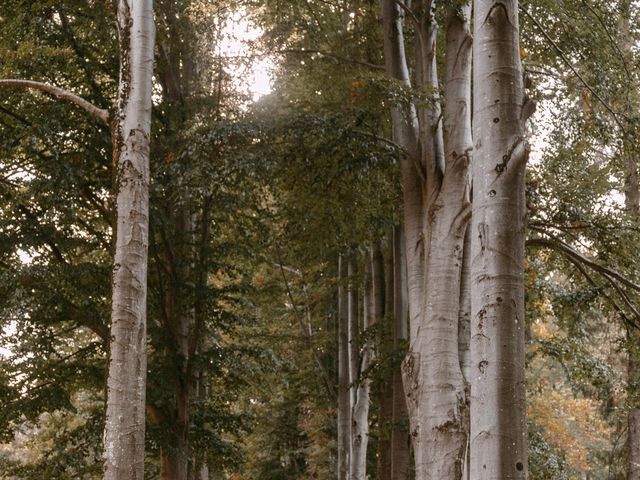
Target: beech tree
[
  {"x": 125, "y": 425},
  {"x": 498, "y": 410},
  {"x": 437, "y": 210},
  {"x": 126, "y": 384},
  {"x": 252, "y": 204}
]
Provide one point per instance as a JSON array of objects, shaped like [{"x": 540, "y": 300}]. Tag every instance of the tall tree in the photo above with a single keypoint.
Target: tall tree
[
  {"x": 344, "y": 393},
  {"x": 498, "y": 410},
  {"x": 126, "y": 384},
  {"x": 436, "y": 209}
]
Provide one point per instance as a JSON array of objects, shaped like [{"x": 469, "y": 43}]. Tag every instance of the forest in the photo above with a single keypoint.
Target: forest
[{"x": 319, "y": 239}]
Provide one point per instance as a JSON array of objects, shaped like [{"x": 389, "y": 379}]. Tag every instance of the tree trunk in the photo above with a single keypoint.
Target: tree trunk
[
  {"x": 464, "y": 340},
  {"x": 180, "y": 308},
  {"x": 344, "y": 400},
  {"x": 632, "y": 197},
  {"x": 498, "y": 410},
  {"x": 435, "y": 388},
  {"x": 385, "y": 392},
  {"x": 400, "y": 439},
  {"x": 354, "y": 329},
  {"x": 632, "y": 205},
  {"x": 125, "y": 419},
  {"x": 632, "y": 201},
  {"x": 405, "y": 133},
  {"x": 374, "y": 311}
]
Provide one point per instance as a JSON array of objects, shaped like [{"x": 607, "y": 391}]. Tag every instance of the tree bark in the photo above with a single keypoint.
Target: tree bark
[
  {"x": 385, "y": 392},
  {"x": 374, "y": 311},
  {"x": 400, "y": 439},
  {"x": 464, "y": 340},
  {"x": 435, "y": 388},
  {"x": 498, "y": 410},
  {"x": 405, "y": 133},
  {"x": 61, "y": 94},
  {"x": 354, "y": 329},
  {"x": 125, "y": 418},
  {"x": 344, "y": 400},
  {"x": 181, "y": 312},
  {"x": 632, "y": 205}
]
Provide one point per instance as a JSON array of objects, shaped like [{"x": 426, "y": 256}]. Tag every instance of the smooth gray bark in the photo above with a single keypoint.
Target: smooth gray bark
[
  {"x": 344, "y": 400},
  {"x": 405, "y": 133},
  {"x": 373, "y": 313},
  {"x": 437, "y": 210},
  {"x": 125, "y": 419},
  {"x": 354, "y": 329},
  {"x": 438, "y": 407},
  {"x": 498, "y": 409}
]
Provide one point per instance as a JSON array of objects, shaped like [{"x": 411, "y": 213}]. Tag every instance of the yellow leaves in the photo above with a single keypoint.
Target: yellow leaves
[
  {"x": 259, "y": 279},
  {"x": 356, "y": 91},
  {"x": 542, "y": 330},
  {"x": 571, "y": 424}
]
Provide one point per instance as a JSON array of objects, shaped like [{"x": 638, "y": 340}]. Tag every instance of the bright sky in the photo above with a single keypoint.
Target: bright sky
[{"x": 238, "y": 35}]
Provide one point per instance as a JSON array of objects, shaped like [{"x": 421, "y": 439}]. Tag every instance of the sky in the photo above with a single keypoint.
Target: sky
[{"x": 238, "y": 35}]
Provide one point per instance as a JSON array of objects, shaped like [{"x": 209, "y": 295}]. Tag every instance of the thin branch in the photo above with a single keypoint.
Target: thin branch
[
  {"x": 409, "y": 11},
  {"x": 573, "y": 69},
  {"x": 559, "y": 245},
  {"x": 333, "y": 56},
  {"x": 298, "y": 317},
  {"x": 590, "y": 279},
  {"x": 579, "y": 262},
  {"x": 60, "y": 93}
]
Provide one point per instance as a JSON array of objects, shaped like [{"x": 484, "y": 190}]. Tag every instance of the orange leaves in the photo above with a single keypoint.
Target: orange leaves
[{"x": 571, "y": 424}]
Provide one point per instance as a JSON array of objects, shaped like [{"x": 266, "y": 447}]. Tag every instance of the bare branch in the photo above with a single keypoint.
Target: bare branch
[
  {"x": 60, "y": 93},
  {"x": 408, "y": 11},
  {"x": 307, "y": 334}
]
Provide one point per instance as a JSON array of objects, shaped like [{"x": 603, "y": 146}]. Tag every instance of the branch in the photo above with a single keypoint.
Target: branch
[
  {"x": 615, "y": 305},
  {"x": 562, "y": 247},
  {"x": 570, "y": 65},
  {"x": 60, "y": 93},
  {"x": 611, "y": 276},
  {"x": 408, "y": 11},
  {"x": 307, "y": 335},
  {"x": 333, "y": 56}
]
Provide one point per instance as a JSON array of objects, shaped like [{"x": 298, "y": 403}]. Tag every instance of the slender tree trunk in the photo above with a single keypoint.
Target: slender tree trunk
[
  {"x": 400, "y": 439},
  {"x": 125, "y": 419},
  {"x": 632, "y": 195},
  {"x": 632, "y": 204},
  {"x": 385, "y": 393},
  {"x": 174, "y": 461},
  {"x": 354, "y": 329},
  {"x": 374, "y": 311},
  {"x": 405, "y": 132},
  {"x": 498, "y": 410},
  {"x": 344, "y": 394},
  {"x": 632, "y": 200}
]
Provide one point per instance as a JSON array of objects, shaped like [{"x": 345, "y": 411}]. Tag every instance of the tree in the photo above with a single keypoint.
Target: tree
[
  {"x": 124, "y": 428},
  {"x": 126, "y": 383},
  {"x": 436, "y": 210},
  {"x": 498, "y": 410}
]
